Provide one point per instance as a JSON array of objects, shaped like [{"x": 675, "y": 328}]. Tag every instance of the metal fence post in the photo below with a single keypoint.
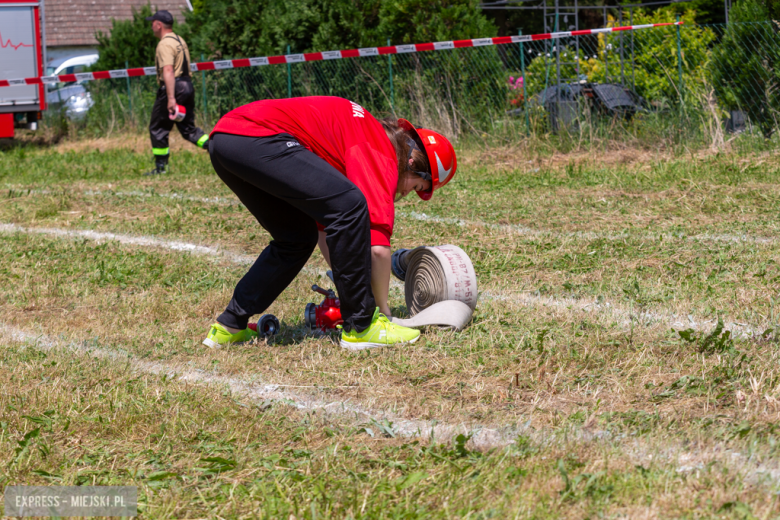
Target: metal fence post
[
  {"x": 679, "y": 61},
  {"x": 622, "y": 47},
  {"x": 557, "y": 50},
  {"x": 525, "y": 97},
  {"x": 606, "y": 49},
  {"x": 129, "y": 92},
  {"x": 390, "y": 71},
  {"x": 289, "y": 77},
  {"x": 633, "y": 57},
  {"x": 549, "y": 47},
  {"x": 203, "y": 80}
]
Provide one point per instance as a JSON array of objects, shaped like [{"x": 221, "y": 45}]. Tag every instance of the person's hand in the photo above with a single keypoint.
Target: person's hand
[{"x": 172, "y": 105}]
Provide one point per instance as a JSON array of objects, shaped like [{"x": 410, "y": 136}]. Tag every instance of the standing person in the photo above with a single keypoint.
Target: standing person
[
  {"x": 172, "y": 60},
  {"x": 323, "y": 170}
]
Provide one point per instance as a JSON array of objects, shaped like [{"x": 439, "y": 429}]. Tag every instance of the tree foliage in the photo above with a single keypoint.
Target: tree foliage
[
  {"x": 656, "y": 56},
  {"x": 654, "y": 64},
  {"x": 412, "y": 21},
  {"x": 229, "y": 28},
  {"x": 232, "y": 28},
  {"x": 130, "y": 41},
  {"x": 745, "y": 65},
  {"x": 772, "y": 10},
  {"x": 531, "y": 22}
]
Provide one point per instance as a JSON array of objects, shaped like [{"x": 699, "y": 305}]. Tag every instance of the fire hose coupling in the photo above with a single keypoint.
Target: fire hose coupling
[
  {"x": 325, "y": 316},
  {"x": 267, "y": 325},
  {"x": 399, "y": 263}
]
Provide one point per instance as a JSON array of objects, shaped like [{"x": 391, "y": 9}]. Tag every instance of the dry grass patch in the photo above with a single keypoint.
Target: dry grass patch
[
  {"x": 199, "y": 451},
  {"x": 134, "y": 142},
  {"x": 511, "y": 366},
  {"x": 570, "y": 349}
]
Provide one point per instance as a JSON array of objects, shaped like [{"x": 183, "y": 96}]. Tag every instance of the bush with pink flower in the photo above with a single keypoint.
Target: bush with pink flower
[{"x": 515, "y": 91}]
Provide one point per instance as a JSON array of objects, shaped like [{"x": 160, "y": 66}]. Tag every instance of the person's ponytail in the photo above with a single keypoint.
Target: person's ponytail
[{"x": 400, "y": 140}]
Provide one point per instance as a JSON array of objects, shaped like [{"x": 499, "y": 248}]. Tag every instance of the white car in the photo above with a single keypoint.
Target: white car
[{"x": 72, "y": 96}]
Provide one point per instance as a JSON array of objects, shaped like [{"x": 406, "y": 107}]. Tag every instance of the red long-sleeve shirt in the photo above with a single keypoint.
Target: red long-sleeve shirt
[{"x": 341, "y": 132}]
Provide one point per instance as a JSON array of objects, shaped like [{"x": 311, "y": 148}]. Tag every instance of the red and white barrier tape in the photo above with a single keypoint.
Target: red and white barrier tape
[{"x": 327, "y": 55}]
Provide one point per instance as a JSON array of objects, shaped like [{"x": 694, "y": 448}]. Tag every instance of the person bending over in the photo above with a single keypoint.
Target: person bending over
[{"x": 322, "y": 170}]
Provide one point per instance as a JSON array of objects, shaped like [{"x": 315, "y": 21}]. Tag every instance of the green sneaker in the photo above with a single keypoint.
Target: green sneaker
[
  {"x": 219, "y": 336},
  {"x": 381, "y": 333}
]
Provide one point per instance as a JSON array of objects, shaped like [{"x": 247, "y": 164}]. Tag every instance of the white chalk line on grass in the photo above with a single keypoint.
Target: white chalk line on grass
[
  {"x": 517, "y": 229},
  {"x": 143, "y": 241},
  {"x": 221, "y": 201},
  {"x": 512, "y": 229},
  {"x": 481, "y": 437},
  {"x": 626, "y": 316}
]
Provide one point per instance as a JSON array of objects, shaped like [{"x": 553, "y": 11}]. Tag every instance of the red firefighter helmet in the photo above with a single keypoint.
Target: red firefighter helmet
[{"x": 441, "y": 156}]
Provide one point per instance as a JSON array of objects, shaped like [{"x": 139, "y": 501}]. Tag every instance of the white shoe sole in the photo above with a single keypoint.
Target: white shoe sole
[
  {"x": 364, "y": 345},
  {"x": 210, "y": 343}
]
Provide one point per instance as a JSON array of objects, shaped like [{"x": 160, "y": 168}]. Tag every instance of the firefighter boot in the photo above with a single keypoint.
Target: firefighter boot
[{"x": 160, "y": 165}]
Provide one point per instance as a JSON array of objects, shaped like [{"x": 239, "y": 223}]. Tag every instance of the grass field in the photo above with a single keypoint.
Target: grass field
[{"x": 622, "y": 361}]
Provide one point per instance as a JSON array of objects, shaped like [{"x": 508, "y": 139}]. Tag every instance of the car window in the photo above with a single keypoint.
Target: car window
[
  {"x": 78, "y": 69},
  {"x": 73, "y": 69}
]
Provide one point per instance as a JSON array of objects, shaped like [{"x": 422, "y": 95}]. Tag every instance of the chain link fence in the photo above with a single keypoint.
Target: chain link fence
[{"x": 684, "y": 83}]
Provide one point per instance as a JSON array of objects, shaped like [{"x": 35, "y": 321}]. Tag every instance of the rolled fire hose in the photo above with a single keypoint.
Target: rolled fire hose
[{"x": 440, "y": 286}]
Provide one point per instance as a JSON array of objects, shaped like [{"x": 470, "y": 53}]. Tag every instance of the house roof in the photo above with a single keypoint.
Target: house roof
[{"x": 75, "y": 22}]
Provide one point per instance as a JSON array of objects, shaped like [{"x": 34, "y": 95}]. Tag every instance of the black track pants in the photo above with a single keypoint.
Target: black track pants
[
  {"x": 160, "y": 125},
  {"x": 289, "y": 189}
]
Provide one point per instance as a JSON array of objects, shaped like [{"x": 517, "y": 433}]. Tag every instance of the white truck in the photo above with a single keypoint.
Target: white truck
[{"x": 22, "y": 47}]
